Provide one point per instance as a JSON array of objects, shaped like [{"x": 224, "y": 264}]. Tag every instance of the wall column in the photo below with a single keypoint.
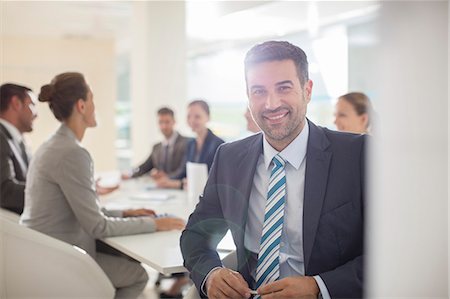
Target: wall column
[{"x": 158, "y": 70}]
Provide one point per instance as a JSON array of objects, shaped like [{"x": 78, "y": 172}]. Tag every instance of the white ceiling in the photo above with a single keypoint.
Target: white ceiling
[
  {"x": 208, "y": 22},
  {"x": 65, "y": 18}
]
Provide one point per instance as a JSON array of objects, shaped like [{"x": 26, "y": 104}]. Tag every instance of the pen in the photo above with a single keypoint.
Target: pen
[{"x": 161, "y": 215}]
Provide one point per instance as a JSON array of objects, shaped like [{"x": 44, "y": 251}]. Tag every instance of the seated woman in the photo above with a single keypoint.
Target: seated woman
[
  {"x": 353, "y": 113},
  {"x": 60, "y": 195},
  {"x": 201, "y": 149}
]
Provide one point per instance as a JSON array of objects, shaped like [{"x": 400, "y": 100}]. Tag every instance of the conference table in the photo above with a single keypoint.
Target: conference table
[{"x": 159, "y": 250}]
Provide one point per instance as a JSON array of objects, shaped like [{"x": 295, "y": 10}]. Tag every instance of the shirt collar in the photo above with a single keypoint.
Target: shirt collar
[
  {"x": 171, "y": 140},
  {"x": 15, "y": 134},
  {"x": 294, "y": 153}
]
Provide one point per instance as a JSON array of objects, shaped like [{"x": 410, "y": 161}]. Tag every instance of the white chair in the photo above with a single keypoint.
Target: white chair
[
  {"x": 230, "y": 261},
  {"x": 34, "y": 265},
  {"x": 8, "y": 215}
]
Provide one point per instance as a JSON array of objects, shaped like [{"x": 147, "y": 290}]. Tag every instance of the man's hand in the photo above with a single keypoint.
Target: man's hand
[
  {"x": 290, "y": 287},
  {"x": 125, "y": 176},
  {"x": 104, "y": 190},
  {"x": 138, "y": 212},
  {"x": 165, "y": 182},
  {"x": 225, "y": 283}
]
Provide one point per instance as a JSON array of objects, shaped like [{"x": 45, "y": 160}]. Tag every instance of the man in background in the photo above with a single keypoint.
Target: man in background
[
  {"x": 167, "y": 157},
  {"x": 17, "y": 113}
]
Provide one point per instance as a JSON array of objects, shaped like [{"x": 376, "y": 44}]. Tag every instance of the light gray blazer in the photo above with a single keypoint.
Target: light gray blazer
[{"x": 60, "y": 196}]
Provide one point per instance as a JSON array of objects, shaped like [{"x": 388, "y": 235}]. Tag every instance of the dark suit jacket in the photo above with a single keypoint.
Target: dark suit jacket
[
  {"x": 11, "y": 175},
  {"x": 332, "y": 212},
  {"x": 176, "y": 162},
  {"x": 207, "y": 153}
]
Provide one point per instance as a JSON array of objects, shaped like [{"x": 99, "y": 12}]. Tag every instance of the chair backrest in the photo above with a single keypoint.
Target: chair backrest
[
  {"x": 34, "y": 265},
  {"x": 8, "y": 215},
  {"x": 230, "y": 262}
]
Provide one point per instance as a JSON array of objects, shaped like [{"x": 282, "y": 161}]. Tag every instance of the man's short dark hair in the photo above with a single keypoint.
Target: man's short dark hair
[
  {"x": 8, "y": 90},
  {"x": 278, "y": 50},
  {"x": 166, "y": 111}
]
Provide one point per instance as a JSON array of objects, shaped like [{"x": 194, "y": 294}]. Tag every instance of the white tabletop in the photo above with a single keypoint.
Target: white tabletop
[{"x": 160, "y": 250}]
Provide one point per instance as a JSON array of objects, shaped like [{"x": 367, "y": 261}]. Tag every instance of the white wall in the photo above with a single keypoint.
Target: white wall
[
  {"x": 158, "y": 70},
  {"x": 408, "y": 225},
  {"x": 35, "y": 61}
]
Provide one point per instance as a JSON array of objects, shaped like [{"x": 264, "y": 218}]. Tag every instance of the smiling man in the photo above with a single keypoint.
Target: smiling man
[{"x": 292, "y": 196}]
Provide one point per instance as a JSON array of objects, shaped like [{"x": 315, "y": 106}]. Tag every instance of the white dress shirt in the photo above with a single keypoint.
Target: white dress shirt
[
  {"x": 171, "y": 140},
  {"x": 170, "y": 143}
]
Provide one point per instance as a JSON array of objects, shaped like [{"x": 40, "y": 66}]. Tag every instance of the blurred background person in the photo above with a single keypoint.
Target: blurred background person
[
  {"x": 60, "y": 195},
  {"x": 201, "y": 149},
  {"x": 17, "y": 113},
  {"x": 353, "y": 113},
  {"x": 167, "y": 157},
  {"x": 251, "y": 124}
]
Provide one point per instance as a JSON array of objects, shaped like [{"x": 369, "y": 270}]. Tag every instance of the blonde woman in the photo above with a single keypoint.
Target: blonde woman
[{"x": 353, "y": 113}]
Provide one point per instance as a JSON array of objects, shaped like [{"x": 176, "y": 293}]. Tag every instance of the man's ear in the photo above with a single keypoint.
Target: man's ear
[
  {"x": 308, "y": 90},
  {"x": 16, "y": 103},
  {"x": 365, "y": 119}
]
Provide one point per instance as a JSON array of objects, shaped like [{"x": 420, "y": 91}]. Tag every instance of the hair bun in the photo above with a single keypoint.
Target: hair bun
[{"x": 46, "y": 93}]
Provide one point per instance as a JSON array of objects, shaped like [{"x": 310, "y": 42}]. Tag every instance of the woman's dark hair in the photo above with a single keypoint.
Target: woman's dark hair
[
  {"x": 202, "y": 103},
  {"x": 63, "y": 92}
]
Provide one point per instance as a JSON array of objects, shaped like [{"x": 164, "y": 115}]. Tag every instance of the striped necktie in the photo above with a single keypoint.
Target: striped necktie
[
  {"x": 165, "y": 159},
  {"x": 268, "y": 268}
]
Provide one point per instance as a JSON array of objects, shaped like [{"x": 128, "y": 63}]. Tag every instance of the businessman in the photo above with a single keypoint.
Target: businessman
[
  {"x": 292, "y": 196},
  {"x": 17, "y": 113},
  {"x": 167, "y": 157}
]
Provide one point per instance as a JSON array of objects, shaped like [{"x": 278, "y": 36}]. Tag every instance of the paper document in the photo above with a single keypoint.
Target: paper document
[{"x": 151, "y": 196}]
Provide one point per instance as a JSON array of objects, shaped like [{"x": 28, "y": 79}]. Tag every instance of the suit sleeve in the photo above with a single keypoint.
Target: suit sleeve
[
  {"x": 12, "y": 190},
  {"x": 75, "y": 178},
  {"x": 144, "y": 167},
  {"x": 205, "y": 228},
  {"x": 346, "y": 281}
]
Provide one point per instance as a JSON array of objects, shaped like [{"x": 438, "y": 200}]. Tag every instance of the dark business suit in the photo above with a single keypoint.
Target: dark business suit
[
  {"x": 212, "y": 142},
  {"x": 175, "y": 162},
  {"x": 11, "y": 175},
  {"x": 332, "y": 211}
]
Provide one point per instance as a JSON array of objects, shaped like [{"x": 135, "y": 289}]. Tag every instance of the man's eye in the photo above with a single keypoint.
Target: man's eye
[
  {"x": 284, "y": 88},
  {"x": 258, "y": 92}
]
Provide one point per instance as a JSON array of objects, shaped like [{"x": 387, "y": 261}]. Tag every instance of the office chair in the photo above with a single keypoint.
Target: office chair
[
  {"x": 8, "y": 215},
  {"x": 34, "y": 265}
]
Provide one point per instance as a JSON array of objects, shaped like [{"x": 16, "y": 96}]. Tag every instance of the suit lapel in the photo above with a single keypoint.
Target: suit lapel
[
  {"x": 246, "y": 170},
  {"x": 17, "y": 153},
  {"x": 316, "y": 178},
  {"x": 5, "y": 131}
]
